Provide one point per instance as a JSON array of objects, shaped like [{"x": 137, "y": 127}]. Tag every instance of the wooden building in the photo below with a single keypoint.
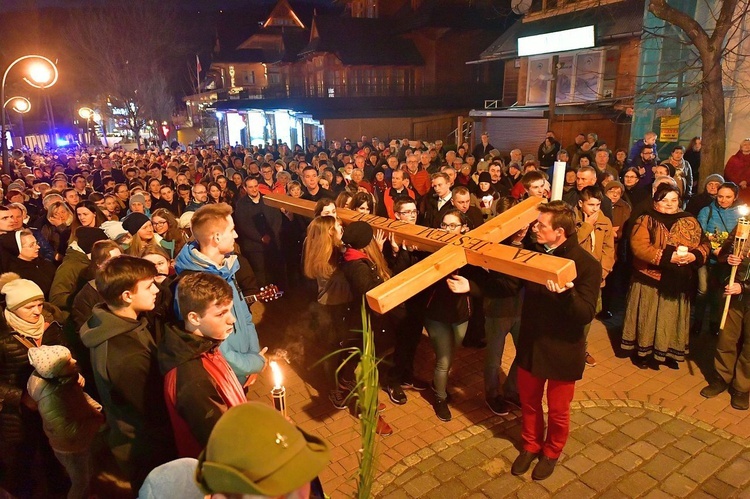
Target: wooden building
[
  {"x": 594, "y": 85},
  {"x": 386, "y": 68}
]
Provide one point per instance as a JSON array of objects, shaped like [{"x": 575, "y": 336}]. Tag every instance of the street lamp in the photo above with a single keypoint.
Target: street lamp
[
  {"x": 41, "y": 73},
  {"x": 21, "y": 105}
]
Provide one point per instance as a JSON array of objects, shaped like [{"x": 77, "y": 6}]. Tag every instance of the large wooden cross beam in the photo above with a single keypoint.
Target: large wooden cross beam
[{"x": 480, "y": 247}]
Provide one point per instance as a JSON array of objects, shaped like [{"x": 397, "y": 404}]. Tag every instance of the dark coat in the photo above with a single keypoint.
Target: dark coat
[
  {"x": 255, "y": 220},
  {"x": 199, "y": 387},
  {"x": 70, "y": 277},
  {"x": 123, "y": 356},
  {"x": 443, "y": 305},
  {"x": 39, "y": 270},
  {"x": 552, "y": 344}
]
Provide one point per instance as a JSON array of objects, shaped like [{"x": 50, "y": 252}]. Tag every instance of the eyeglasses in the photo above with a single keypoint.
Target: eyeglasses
[
  {"x": 630, "y": 176},
  {"x": 450, "y": 226},
  {"x": 159, "y": 224},
  {"x": 32, "y": 245},
  {"x": 408, "y": 212}
]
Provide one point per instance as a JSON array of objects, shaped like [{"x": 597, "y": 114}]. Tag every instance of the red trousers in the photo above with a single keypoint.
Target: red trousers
[{"x": 559, "y": 396}]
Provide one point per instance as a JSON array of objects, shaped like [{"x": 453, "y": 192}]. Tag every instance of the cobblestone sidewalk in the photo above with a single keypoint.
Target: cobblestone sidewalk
[{"x": 616, "y": 449}]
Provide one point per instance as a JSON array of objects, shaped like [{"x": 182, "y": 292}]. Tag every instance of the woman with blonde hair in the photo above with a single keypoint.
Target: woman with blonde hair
[{"x": 140, "y": 227}]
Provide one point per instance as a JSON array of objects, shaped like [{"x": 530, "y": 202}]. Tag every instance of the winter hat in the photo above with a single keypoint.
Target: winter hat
[
  {"x": 495, "y": 153},
  {"x": 185, "y": 219},
  {"x": 483, "y": 166},
  {"x": 11, "y": 242},
  {"x": 49, "y": 359},
  {"x": 136, "y": 198},
  {"x": 113, "y": 229},
  {"x": 133, "y": 222},
  {"x": 172, "y": 479},
  {"x": 290, "y": 458},
  {"x": 614, "y": 184},
  {"x": 714, "y": 177},
  {"x": 357, "y": 235},
  {"x": 485, "y": 177},
  {"x": 18, "y": 292},
  {"x": 87, "y": 236}
]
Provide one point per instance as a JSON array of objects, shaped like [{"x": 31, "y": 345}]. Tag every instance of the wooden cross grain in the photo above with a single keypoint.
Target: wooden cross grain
[{"x": 480, "y": 247}]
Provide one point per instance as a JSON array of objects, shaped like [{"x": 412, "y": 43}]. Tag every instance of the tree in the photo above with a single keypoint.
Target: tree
[
  {"x": 134, "y": 54},
  {"x": 711, "y": 46}
]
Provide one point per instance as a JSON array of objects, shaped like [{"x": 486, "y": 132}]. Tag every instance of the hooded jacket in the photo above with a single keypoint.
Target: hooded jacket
[
  {"x": 70, "y": 277},
  {"x": 242, "y": 348},
  {"x": 126, "y": 373},
  {"x": 71, "y": 418},
  {"x": 199, "y": 387},
  {"x": 703, "y": 199}
]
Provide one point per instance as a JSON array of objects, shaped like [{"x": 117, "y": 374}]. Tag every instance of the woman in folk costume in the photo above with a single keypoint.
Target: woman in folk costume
[{"x": 668, "y": 247}]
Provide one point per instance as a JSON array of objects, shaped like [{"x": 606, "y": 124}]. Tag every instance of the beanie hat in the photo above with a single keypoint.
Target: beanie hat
[
  {"x": 113, "y": 229},
  {"x": 185, "y": 219},
  {"x": 87, "y": 236},
  {"x": 714, "y": 177},
  {"x": 133, "y": 222},
  {"x": 49, "y": 359},
  {"x": 483, "y": 166},
  {"x": 495, "y": 153},
  {"x": 18, "y": 292},
  {"x": 230, "y": 462},
  {"x": 11, "y": 242},
  {"x": 614, "y": 184},
  {"x": 137, "y": 198},
  {"x": 485, "y": 177},
  {"x": 357, "y": 235}
]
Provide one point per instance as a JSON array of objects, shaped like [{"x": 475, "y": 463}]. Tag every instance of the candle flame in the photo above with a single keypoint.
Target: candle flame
[
  {"x": 743, "y": 210},
  {"x": 277, "y": 378}
]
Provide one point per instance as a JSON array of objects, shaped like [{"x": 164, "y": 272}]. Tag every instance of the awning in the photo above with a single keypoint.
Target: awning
[{"x": 612, "y": 22}]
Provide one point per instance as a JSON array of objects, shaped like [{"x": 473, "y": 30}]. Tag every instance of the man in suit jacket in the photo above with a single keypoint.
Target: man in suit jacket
[
  {"x": 439, "y": 203},
  {"x": 258, "y": 227}
]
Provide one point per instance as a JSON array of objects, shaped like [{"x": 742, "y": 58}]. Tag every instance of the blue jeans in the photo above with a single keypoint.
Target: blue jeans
[
  {"x": 496, "y": 330},
  {"x": 444, "y": 337}
]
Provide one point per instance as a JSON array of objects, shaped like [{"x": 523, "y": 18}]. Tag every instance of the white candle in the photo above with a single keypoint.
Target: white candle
[
  {"x": 558, "y": 181},
  {"x": 682, "y": 251}
]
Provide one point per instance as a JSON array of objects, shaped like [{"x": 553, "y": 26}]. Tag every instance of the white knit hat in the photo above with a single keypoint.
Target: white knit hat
[
  {"x": 49, "y": 359},
  {"x": 18, "y": 292}
]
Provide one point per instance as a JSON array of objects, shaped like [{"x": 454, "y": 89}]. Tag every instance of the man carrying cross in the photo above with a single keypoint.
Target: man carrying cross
[{"x": 552, "y": 345}]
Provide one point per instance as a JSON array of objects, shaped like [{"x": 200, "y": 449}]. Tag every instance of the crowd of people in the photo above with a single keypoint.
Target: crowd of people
[{"x": 127, "y": 278}]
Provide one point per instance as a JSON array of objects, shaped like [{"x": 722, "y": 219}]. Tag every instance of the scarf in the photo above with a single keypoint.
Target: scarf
[{"x": 33, "y": 330}]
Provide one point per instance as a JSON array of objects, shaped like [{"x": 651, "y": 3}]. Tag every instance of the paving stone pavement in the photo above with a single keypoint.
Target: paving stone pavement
[
  {"x": 619, "y": 412},
  {"x": 616, "y": 449}
]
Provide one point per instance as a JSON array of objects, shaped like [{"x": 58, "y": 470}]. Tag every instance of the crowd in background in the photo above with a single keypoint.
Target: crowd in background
[{"x": 127, "y": 277}]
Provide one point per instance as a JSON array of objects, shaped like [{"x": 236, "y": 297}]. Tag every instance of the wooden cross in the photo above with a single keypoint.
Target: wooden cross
[{"x": 480, "y": 247}]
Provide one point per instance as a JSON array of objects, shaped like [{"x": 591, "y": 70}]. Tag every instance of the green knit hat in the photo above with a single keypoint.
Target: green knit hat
[{"x": 254, "y": 450}]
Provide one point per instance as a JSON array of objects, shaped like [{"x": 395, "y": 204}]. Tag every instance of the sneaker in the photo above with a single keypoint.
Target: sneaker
[
  {"x": 544, "y": 468},
  {"x": 347, "y": 385},
  {"x": 415, "y": 384},
  {"x": 383, "y": 429},
  {"x": 740, "y": 400},
  {"x": 513, "y": 400},
  {"x": 590, "y": 360},
  {"x": 396, "y": 394},
  {"x": 448, "y": 396},
  {"x": 339, "y": 399},
  {"x": 442, "y": 411},
  {"x": 523, "y": 462},
  {"x": 498, "y": 405},
  {"x": 714, "y": 388}
]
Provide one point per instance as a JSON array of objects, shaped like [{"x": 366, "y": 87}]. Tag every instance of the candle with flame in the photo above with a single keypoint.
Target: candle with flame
[
  {"x": 278, "y": 392},
  {"x": 740, "y": 237}
]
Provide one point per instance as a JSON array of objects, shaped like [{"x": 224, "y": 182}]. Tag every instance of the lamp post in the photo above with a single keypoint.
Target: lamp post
[
  {"x": 21, "y": 105},
  {"x": 42, "y": 73},
  {"x": 87, "y": 114}
]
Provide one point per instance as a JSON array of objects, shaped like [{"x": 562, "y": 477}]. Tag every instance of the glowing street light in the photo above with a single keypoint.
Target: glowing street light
[
  {"x": 21, "y": 105},
  {"x": 85, "y": 112},
  {"x": 41, "y": 73}
]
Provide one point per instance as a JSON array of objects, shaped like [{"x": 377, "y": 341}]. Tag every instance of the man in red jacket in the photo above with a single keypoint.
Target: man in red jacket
[{"x": 199, "y": 385}]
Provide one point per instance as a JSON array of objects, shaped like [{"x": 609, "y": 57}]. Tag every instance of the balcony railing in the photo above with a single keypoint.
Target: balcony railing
[{"x": 377, "y": 90}]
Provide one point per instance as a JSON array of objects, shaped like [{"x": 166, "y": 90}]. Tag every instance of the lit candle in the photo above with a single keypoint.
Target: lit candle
[
  {"x": 558, "y": 181},
  {"x": 278, "y": 392}
]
